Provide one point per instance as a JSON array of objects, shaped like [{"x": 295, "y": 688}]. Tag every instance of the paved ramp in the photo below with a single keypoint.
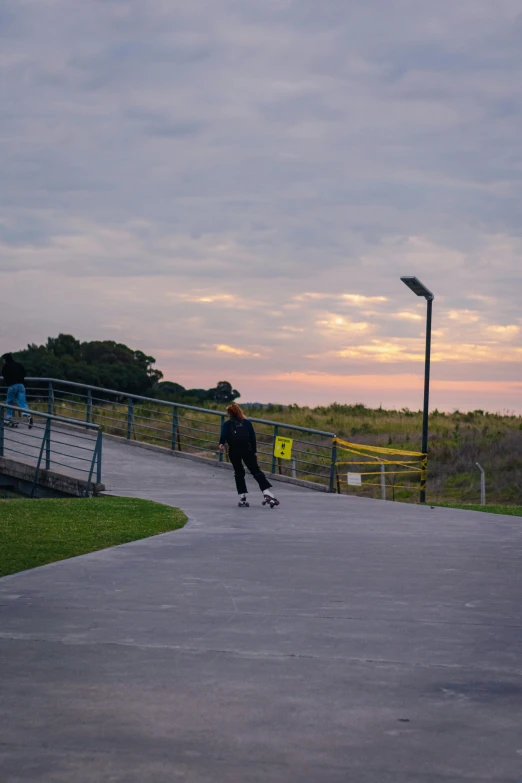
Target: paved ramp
[{"x": 329, "y": 640}]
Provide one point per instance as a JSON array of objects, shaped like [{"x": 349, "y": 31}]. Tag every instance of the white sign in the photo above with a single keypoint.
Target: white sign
[{"x": 354, "y": 479}]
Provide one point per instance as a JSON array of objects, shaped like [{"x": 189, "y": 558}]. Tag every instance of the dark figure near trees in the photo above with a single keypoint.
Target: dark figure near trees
[{"x": 13, "y": 374}]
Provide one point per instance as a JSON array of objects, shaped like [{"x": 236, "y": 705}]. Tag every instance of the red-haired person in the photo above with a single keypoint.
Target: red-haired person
[{"x": 239, "y": 434}]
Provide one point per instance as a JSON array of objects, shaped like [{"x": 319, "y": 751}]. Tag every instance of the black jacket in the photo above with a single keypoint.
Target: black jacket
[
  {"x": 13, "y": 372},
  {"x": 227, "y": 435}
]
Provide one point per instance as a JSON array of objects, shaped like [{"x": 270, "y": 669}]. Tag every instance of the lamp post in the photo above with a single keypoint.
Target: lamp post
[{"x": 419, "y": 289}]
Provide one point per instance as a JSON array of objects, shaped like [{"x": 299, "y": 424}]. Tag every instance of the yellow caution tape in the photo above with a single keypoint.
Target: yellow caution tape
[{"x": 358, "y": 448}]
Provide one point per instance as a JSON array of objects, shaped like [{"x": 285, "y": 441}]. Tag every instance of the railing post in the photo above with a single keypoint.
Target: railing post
[
  {"x": 50, "y": 399},
  {"x": 423, "y": 477},
  {"x": 178, "y": 435},
  {"x": 2, "y": 424},
  {"x": 48, "y": 445},
  {"x": 333, "y": 466},
  {"x": 174, "y": 428},
  {"x": 274, "y": 458},
  {"x": 99, "y": 462},
  {"x": 88, "y": 413},
  {"x": 130, "y": 416},
  {"x": 383, "y": 482},
  {"x": 482, "y": 484},
  {"x": 220, "y": 453},
  {"x": 37, "y": 470},
  {"x": 96, "y": 458}
]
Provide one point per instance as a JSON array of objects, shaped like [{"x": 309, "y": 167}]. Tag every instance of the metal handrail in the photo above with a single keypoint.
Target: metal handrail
[
  {"x": 174, "y": 425},
  {"x": 47, "y": 450},
  {"x": 182, "y": 405}
]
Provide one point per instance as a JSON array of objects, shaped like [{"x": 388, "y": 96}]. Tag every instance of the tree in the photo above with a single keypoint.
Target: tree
[
  {"x": 224, "y": 392},
  {"x": 168, "y": 390},
  {"x": 96, "y": 362},
  {"x": 114, "y": 366},
  {"x": 64, "y": 345}
]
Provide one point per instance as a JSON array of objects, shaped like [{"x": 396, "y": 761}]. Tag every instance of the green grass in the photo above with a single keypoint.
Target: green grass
[
  {"x": 511, "y": 511},
  {"x": 36, "y": 532}
]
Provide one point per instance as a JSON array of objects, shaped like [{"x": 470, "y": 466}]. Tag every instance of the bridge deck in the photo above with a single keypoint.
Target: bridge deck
[{"x": 332, "y": 639}]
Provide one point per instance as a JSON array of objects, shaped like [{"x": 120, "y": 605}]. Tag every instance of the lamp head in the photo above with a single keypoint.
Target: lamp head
[{"x": 415, "y": 285}]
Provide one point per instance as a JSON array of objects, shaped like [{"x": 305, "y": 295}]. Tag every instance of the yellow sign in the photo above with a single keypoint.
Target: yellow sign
[{"x": 283, "y": 447}]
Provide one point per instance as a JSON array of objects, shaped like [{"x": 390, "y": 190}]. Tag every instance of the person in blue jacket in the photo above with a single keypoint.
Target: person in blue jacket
[{"x": 239, "y": 434}]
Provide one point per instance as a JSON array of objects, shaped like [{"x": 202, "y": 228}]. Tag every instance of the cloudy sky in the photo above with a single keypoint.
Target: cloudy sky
[{"x": 237, "y": 186}]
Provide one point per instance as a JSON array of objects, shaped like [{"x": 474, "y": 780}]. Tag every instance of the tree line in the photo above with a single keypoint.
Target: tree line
[{"x": 115, "y": 366}]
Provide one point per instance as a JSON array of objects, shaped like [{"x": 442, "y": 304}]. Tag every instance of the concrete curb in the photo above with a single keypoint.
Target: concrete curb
[
  {"x": 20, "y": 476},
  {"x": 213, "y": 463}
]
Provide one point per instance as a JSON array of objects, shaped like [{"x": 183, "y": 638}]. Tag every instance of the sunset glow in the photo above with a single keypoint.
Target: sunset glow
[{"x": 237, "y": 188}]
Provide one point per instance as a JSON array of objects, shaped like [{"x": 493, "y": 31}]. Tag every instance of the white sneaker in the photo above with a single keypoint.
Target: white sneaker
[{"x": 268, "y": 493}]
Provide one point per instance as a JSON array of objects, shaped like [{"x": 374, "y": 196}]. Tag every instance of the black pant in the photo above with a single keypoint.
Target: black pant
[{"x": 250, "y": 459}]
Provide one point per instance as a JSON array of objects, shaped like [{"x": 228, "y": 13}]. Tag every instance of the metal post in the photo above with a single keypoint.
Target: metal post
[
  {"x": 2, "y": 423},
  {"x": 274, "y": 458},
  {"x": 96, "y": 458},
  {"x": 383, "y": 481},
  {"x": 48, "y": 445},
  {"x": 88, "y": 413},
  {"x": 99, "y": 462},
  {"x": 37, "y": 470},
  {"x": 220, "y": 453},
  {"x": 294, "y": 471},
  {"x": 174, "y": 428},
  {"x": 333, "y": 466},
  {"x": 130, "y": 416},
  {"x": 482, "y": 484},
  {"x": 425, "y": 413},
  {"x": 50, "y": 398}
]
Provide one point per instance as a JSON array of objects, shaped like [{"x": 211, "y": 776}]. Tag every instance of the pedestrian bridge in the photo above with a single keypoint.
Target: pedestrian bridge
[{"x": 72, "y": 420}]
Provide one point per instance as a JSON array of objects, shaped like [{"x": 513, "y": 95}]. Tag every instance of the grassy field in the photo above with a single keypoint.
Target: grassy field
[
  {"x": 457, "y": 441},
  {"x": 510, "y": 511},
  {"x": 36, "y": 532}
]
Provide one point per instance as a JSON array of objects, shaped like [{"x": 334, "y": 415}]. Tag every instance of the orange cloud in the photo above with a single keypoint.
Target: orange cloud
[
  {"x": 340, "y": 323},
  {"x": 234, "y": 351}
]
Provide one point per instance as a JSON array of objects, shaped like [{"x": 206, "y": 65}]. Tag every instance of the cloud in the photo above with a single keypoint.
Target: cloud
[
  {"x": 509, "y": 332},
  {"x": 234, "y": 351},
  {"x": 209, "y": 174},
  {"x": 405, "y": 315},
  {"x": 463, "y": 316},
  {"x": 338, "y": 323}
]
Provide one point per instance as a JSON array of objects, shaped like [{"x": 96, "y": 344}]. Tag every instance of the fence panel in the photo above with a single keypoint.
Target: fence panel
[{"x": 47, "y": 441}]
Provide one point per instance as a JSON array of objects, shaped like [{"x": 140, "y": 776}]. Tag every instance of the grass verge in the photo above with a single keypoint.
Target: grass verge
[
  {"x": 511, "y": 511},
  {"x": 36, "y": 532}
]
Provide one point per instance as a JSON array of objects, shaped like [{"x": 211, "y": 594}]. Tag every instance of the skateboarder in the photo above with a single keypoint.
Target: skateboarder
[
  {"x": 239, "y": 433},
  {"x": 13, "y": 374}
]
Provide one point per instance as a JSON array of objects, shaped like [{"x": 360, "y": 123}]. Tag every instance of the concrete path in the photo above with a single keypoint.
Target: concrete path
[{"x": 329, "y": 640}]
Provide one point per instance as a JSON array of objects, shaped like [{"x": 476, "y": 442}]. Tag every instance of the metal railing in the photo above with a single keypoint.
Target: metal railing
[
  {"x": 50, "y": 441},
  {"x": 180, "y": 427}
]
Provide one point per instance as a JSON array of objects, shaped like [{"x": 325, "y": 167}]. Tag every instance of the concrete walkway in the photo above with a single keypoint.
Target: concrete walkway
[{"x": 329, "y": 640}]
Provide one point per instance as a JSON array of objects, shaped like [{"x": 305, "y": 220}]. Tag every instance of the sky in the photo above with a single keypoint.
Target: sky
[{"x": 236, "y": 188}]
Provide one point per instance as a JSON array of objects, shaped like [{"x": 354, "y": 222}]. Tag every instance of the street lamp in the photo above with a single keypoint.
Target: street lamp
[{"x": 420, "y": 290}]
